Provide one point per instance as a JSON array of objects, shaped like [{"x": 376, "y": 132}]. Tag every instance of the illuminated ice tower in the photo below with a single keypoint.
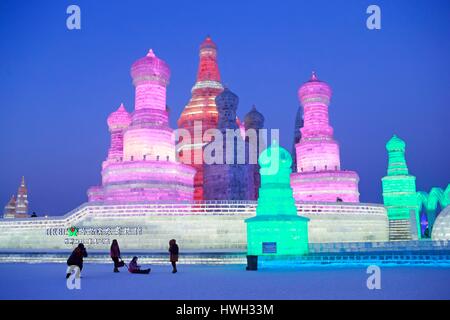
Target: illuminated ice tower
[
  {"x": 118, "y": 121},
  {"x": 22, "y": 200},
  {"x": 297, "y": 136},
  {"x": 254, "y": 125},
  {"x": 200, "y": 114},
  {"x": 10, "y": 208},
  {"x": 399, "y": 194},
  {"x": 17, "y": 207},
  {"x": 142, "y": 163},
  {"x": 276, "y": 229},
  {"x": 319, "y": 176},
  {"x": 232, "y": 178}
]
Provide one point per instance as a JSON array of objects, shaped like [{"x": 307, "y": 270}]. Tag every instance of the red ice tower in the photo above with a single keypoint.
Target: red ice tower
[{"x": 200, "y": 114}]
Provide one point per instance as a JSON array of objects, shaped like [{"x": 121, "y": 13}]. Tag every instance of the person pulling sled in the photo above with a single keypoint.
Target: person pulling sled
[{"x": 115, "y": 256}]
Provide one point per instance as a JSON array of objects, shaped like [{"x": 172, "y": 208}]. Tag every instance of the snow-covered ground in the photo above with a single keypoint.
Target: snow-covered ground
[{"x": 47, "y": 281}]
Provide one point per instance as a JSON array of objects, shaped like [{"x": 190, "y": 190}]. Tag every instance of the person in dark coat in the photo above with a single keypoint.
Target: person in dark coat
[
  {"x": 115, "y": 255},
  {"x": 173, "y": 250},
  {"x": 133, "y": 267},
  {"x": 76, "y": 258}
]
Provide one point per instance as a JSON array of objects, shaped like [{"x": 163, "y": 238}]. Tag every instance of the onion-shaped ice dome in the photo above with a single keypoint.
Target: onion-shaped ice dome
[
  {"x": 150, "y": 68},
  {"x": 395, "y": 144},
  {"x": 119, "y": 119},
  {"x": 254, "y": 119},
  {"x": 227, "y": 100}
]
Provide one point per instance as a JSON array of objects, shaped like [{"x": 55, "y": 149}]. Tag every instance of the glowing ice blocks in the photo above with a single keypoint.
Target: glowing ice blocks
[{"x": 276, "y": 229}]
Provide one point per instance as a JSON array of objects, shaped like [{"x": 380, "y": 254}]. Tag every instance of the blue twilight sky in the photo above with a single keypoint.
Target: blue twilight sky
[{"x": 58, "y": 86}]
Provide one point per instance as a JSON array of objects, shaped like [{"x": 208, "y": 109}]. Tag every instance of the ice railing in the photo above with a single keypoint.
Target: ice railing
[
  {"x": 235, "y": 208},
  {"x": 70, "y": 217},
  {"x": 386, "y": 246}
]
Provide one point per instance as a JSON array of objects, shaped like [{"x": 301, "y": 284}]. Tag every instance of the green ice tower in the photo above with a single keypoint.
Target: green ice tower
[
  {"x": 399, "y": 194},
  {"x": 276, "y": 229}
]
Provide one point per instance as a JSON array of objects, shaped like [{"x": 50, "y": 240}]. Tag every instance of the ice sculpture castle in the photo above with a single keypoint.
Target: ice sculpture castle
[{"x": 147, "y": 196}]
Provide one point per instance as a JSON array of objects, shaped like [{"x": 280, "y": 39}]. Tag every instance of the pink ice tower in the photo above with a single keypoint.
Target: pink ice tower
[
  {"x": 141, "y": 163},
  {"x": 118, "y": 121},
  {"x": 319, "y": 176}
]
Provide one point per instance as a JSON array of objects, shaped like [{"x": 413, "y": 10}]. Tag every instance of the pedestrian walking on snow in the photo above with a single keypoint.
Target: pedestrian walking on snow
[
  {"x": 115, "y": 256},
  {"x": 173, "y": 250}
]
